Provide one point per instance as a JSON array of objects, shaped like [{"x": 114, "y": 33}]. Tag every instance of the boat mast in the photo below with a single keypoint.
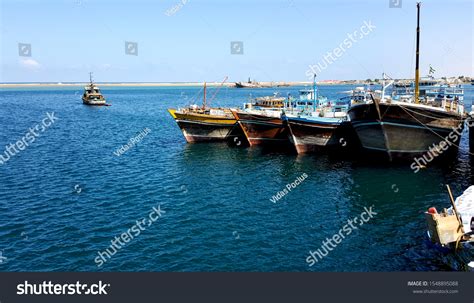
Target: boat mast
[
  {"x": 204, "y": 100},
  {"x": 218, "y": 89},
  {"x": 314, "y": 93},
  {"x": 417, "y": 68}
]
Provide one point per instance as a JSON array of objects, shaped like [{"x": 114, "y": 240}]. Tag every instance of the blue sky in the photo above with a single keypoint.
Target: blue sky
[{"x": 192, "y": 43}]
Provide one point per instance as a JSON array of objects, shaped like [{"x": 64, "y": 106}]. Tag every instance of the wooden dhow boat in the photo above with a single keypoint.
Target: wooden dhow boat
[
  {"x": 320, "y": 126},
  {"x": 310, "y": 133},
  {"x": 409, "y": 127},
  {"x": 204, "y": 124},
  {"x": 261, "y": 123}
]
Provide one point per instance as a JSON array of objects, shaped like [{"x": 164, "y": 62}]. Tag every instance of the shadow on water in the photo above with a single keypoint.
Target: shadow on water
[{"x": 398, "y": 195}]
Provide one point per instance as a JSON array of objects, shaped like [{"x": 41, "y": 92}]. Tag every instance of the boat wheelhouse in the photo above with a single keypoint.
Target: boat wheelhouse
[
  {"x": 318, "y": 128},
  {"x": 92, "y": 94}
]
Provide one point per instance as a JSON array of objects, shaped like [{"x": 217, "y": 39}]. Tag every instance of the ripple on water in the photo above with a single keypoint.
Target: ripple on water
[{"x": 66, "y": 196}]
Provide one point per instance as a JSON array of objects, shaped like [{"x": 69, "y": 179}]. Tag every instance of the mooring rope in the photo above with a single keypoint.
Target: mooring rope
[
  {"x": 420, "y": 114},
  {"x": 427, "y": 127}
]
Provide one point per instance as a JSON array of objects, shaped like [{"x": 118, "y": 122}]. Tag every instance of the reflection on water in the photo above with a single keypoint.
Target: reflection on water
[{"x": 210, "y": 192}]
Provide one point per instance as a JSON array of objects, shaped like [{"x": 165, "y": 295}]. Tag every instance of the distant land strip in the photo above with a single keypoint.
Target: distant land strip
[{"x": 456, "y": 80}]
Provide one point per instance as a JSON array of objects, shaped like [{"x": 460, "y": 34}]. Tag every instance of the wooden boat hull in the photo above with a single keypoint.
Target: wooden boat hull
[
  {"x": 312, "y": 135},
  {"x": 471, "y": 133},
  {"x": 404, "y": 131},
  {"x": 260, "y": 129},
  {"x": 202, "y": 127}
]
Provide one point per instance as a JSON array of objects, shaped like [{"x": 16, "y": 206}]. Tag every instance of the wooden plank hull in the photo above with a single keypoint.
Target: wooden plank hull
[
  {"x": 404, "y": 131},
  {"x": 197, "y": 131},
  {"x": 311, "y": 135},
  {"x": 260, "y": 129},
  {"x": 471, "y": 133},
  {"x": 471, "y": 139}
]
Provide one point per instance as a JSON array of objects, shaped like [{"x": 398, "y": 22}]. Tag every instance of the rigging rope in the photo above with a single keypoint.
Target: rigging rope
[
  {"x": 427, "y": 116},
  {"x": 443, "y": 139}
]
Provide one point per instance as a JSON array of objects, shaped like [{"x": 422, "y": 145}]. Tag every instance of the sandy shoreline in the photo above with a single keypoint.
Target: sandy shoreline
[
  {"x": 161, "y": 84},
  {"x": 275, "y": 84}
]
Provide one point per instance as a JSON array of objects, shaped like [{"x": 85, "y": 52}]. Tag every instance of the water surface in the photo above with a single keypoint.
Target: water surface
[{"x": 67, "y": 195}]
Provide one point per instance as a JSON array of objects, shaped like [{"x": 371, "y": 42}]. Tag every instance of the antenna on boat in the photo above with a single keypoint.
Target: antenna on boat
[
  {"x": 90, "y": 77},
  {"x": 385, "y": 85},
  {"x": 417, "y": 68}
]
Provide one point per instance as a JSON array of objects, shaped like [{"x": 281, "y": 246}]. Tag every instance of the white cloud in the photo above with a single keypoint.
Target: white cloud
[{"x": 30, "y": 64}]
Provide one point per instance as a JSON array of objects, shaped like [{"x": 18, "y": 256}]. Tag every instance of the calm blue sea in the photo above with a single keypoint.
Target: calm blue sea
[{"x": 67, "y": 195}]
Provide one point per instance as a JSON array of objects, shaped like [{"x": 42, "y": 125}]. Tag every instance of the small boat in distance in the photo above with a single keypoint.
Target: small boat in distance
[
  {"x": 253, "y": 84},
  {"x": 204, "y": 124},
  {"x": 92, "y": 95}
]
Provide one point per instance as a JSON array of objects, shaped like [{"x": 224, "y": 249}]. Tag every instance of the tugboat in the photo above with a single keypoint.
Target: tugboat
[{"x": 92, "y": 95}]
